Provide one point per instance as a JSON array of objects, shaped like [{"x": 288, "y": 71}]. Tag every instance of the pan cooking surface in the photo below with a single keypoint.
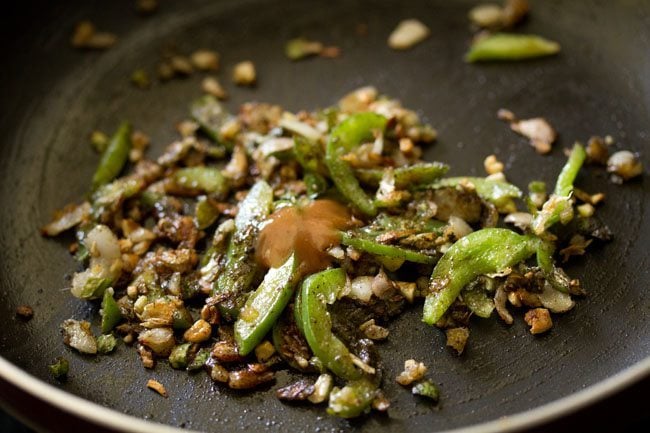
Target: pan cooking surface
[{"x": 54, "y": 96}]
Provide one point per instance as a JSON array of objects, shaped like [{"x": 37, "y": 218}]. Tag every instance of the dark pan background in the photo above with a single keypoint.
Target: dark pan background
[{"x": 52, "y": 96}]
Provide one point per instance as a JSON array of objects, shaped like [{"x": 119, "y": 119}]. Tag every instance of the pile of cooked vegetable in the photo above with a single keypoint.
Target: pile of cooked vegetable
[{"x": 269, "y": 240}]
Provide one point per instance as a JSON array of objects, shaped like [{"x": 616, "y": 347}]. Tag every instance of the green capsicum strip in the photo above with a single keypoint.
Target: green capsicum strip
[
  {"x": 483, "y": 252},
  {"x": 114, "y": 157},
  {"x": 546, "y": 263},
  {"x": 496, "y": 192},
  {"x": 309, "y": 155},
  {"x": 111, "y": 314},
  {"x": 205, "y": 214},
  {"x": 564, "y": 184},
  {"x": 359, "y": 242},
  {"x": 384, "y": 223},
  {"x": 316, "y": 292},
  {"x": 405, "y": 177},
  {"x": 240, "y": 267},
  {"x": 264, "y": 305},
  {"x": 207, "y": 179},
  {"x": 211, "y": 117},
  {"x": 558, "y": 207},
  {"x": 343, "y": 139},
  {"x": 508, "y": 46},
  {"x": 179, "y": 358}
]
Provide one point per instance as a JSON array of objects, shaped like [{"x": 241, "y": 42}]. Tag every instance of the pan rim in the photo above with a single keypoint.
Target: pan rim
[{"x": 110, "y": 418}]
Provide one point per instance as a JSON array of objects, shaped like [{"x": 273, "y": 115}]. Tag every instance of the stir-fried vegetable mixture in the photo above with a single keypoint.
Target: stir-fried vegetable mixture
[{"x": 269, "y": 240}]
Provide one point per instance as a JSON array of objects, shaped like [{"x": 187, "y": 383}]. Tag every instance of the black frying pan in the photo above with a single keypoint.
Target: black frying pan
[{"x": 52, "y": 96}]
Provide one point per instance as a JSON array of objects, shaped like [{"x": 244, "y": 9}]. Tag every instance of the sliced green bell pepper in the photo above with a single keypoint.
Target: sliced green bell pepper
[
  {"x": 405, "y": 177},
  {"x": 343, "y": 139},
  {"x": 494, "y": 191},
  {"x": 510, "y": 46},
  {"x": 356, "y": 240},
  {"x": 264, "y": 306},
  {"x": 240, "y": 267},
  {"x": 114, "y": 157},
  {"x": 482, "y": 252},
  {"x": 317, "y": 291},
  {"x": 110, "y": 312},
  {"x": 559, "y": 207}
]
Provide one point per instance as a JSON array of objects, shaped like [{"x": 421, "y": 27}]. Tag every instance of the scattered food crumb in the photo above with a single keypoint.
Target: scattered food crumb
[
  {"x": 264, "y": 351},
  {"x": 330, "y": 52},
  {"x": 106, "y": 343},
  {"x": 407, "y": 34},
  {"x": 25, "y": 312},
  {"x": 78, "y": 335},
  {"x": 322, "y": 388},
  {"x": 85, "y": 35},
  {"x": 60, "y": 368},
  {"x": 506, "y": 115},
  {"x": 146, "y": 7},
  {"x": 300, "y": 48},
  {"x": 205, "y": 60},
  {"x": 157, "y": 386},
  {"x": 139, "y": 141},
  {"x": 165, "y": 71},
  {"x": 487, "y": 16},
  {"x": 428, "y": 389},
  {"x": 140, "y": 79},
  {"x": 495, "y": 17},
  {"x": 413, "y": 371},
  {"x": 373, "y": 331},
  {"x": 99, "y": 141},
  {"x": 625, "y": 165},
  {"x": 493, "y": 165},
  {"x": 212, "y": 86},
  {"x": 540, "y": 133},
  {"x": 597, "y": 151},
  {"x": 457, "y": 338},
  {"x": 380, "y": 402},
  {"x": 539, "y": 320},
  {"x": 586, "y": 210},
  {"x": 578, "y": 244},
  {"x": 297, "y": 391},
  {"x": 187, "y": 128},
  {"x": 244, "y": 74},
  {"x": 181, "y": 65}
]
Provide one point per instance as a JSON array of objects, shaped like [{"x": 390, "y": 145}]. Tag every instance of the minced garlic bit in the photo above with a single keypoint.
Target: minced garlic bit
[
  {"x": 244, "y": 74},
  {"x": 157, "y": 386},
  {"x": 413, "y": 371},
  {"x": 407, "y": 34},
  {"x": 492, "y": 165}
]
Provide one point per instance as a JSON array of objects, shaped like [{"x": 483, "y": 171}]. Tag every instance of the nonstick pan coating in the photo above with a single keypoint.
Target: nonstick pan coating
[{"x": 53, "y": 96}]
